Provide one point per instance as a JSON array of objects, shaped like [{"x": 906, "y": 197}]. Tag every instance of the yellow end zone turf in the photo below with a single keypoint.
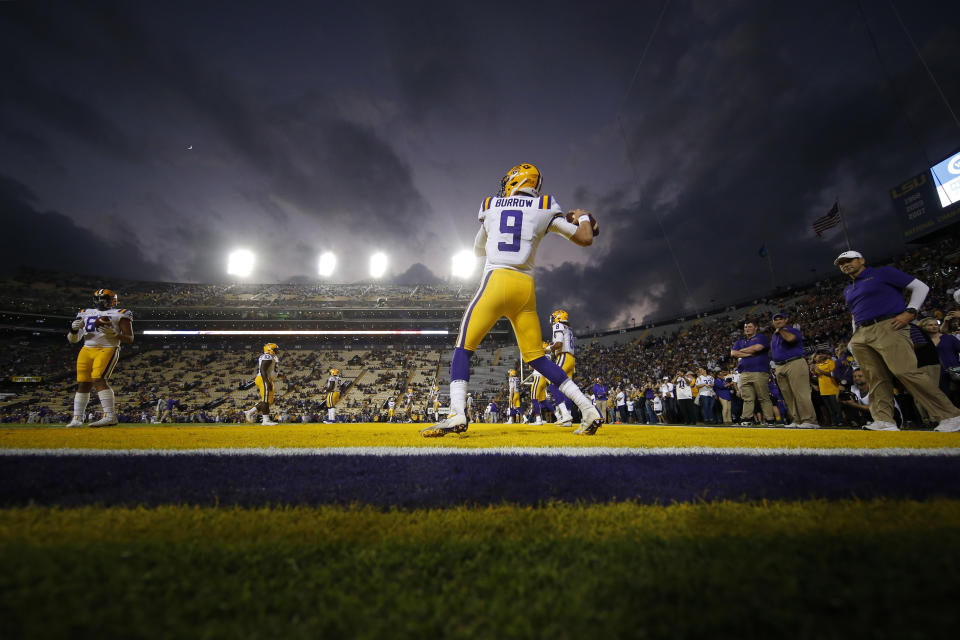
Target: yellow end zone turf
[{"x": 192, "y": 436}]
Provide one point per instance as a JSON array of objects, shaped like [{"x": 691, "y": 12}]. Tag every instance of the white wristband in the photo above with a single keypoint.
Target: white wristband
[{"x": 584, "y": 218}]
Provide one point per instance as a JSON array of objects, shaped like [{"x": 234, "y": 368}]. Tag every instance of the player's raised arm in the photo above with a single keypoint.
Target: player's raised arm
[{"x": 578, "y": 225}]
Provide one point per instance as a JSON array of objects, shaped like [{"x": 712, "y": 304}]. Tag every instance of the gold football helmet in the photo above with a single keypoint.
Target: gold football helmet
[
  {"x": 105, "y": 299},
  {"x": 334, "y": 372},
  {"x": 524, "y": 179},
  {"x": 512, "y": 372},
  {"x": 270, "y": 348},
  {"x": 560, "y": 316}
]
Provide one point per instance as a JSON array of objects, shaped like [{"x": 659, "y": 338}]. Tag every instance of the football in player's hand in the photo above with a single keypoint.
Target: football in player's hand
[
  {"x": 573, "y": 217},
  {"x": 594, "y": 225},
  {"x": 102, "y": 321}
]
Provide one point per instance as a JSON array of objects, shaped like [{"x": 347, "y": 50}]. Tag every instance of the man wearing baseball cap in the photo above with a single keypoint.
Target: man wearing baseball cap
[
  {"x": 881, "y": 340},
  {"x": 790, "y": 370}
]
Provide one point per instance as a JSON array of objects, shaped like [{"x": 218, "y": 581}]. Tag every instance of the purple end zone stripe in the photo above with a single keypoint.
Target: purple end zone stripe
[
  {"x": 450, "y": 480},
  {"x": 466, "y": 317}
]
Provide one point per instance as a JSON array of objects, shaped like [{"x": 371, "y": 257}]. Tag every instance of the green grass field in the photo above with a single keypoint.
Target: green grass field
[{"x": 810, "y": 569}]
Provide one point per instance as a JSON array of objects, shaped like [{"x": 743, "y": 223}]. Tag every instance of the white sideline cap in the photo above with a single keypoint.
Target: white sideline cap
[{"x": 848, "y": 254}]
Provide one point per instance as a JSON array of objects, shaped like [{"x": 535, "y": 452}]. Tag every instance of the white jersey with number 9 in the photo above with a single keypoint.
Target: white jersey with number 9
[{"x": 513, "y": 228}]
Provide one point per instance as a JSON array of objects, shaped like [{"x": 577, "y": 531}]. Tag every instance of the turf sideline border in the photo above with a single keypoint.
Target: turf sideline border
[{"x": 571, "y": 452}]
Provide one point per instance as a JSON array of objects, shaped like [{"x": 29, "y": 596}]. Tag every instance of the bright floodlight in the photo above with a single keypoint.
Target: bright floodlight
[
  {"x": 378, "y": 265},
  {"x": 240, "y": 263},
  {"x": 464, "y": 263},
  {"x": 326, "y": 264}
]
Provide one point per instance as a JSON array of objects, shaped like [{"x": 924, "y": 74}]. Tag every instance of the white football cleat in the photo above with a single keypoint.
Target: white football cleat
[
  {"x": 268, "y": 422},
  {"x": 74, "y": 423},
  {"x": 249, "y": 413},
  {"x": 591, "y": 422},
  {"x": 456, "y": 423},
  {"x": 105, "y": 421}
]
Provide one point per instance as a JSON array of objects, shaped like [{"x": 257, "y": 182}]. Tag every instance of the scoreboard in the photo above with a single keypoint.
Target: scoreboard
[{"x": 929, "y": 201}]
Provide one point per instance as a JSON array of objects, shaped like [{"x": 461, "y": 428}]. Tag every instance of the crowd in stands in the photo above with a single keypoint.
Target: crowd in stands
[{"x": 641, "y": 370}]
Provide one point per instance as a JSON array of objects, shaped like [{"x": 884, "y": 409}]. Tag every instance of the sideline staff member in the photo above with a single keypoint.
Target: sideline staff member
[
  {"x": 790, "y": 370},
  {"x": 881, "y": 340}
]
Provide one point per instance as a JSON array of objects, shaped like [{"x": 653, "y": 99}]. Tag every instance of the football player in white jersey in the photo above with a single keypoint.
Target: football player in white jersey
[
  {"x": 512, "y": 224},
  {"x": 101, "y": 329},
  {"x": 514, "y": 382},
  {"x": 408, "y": 404},
  {"x": 538, "y": 391},
  {"x": 435, "y": 401},
  {"x": 334, "y": 383},
  {"x": 391, "y": 407},
  {"x": 268, "y": 368},
  {"x": 562, "y": 348}
]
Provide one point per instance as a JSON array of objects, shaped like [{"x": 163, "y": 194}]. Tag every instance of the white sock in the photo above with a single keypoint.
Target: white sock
[
  {"x": 107, "y": 401},
  {"x": 458, "y": 397},
  {"x": 80, "y": 401},
  {"x": 331, "y": 414},
  {"x": 572, "y": 391}
]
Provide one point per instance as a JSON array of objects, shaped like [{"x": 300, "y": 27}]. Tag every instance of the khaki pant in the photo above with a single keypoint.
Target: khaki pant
[
  {"x": 793, "y": 379},
  {"x": 933, "y": 372},
  {"x": 755, "y": 386},
  {"x": 725, "y": 410},
  {"x": 881, "y": 351}
]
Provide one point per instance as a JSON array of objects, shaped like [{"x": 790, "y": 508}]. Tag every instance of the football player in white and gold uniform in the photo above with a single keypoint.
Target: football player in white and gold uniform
[
  {"x": 514, "y": 381},
  {"x": 538, "y": 391},
  {"x": 408, "y": 404},
  {"x": 101, "y": 329},
  {"x": 391, "y": 407},
  {"x": 435, "y": 401},
  {"x": 562, "y": 349},
  {"x": 268, "y": 369},
  {"x": 512, "y": 224},
  {"x": 334, "y": 384}
]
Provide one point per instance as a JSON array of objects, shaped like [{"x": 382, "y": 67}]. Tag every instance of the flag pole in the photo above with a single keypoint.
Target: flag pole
[
  {"x": 773, "y": 276},
  {"x": 843, "y": 223}
]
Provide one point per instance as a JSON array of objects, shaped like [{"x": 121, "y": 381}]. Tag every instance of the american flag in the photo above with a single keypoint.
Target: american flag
[{"x": 828, "y": 221}]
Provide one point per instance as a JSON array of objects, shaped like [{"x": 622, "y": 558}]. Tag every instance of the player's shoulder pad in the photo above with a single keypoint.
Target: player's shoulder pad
[
  {"x": 266, "y": 356},
  {"x": 558, "y": 326},
  {"x": 125, "y": 313}
]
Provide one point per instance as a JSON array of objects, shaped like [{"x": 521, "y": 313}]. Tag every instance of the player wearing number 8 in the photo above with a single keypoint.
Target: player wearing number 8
[
  {"x": 101, "y": 329},
  {"x": 512, "y": 224}
]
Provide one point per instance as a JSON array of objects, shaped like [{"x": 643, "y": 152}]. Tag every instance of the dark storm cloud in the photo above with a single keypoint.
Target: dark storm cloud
[
  {"x": 306, "y": 152},
  {"x": 746, "y": 141},
  {"x": 51, "y": 240},
  {"x": 435, "y": 57}
]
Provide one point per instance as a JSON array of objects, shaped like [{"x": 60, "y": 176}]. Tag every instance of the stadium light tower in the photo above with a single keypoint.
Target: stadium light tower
[
  {"x": 240, "y": 263},
  {"x": 464, "y": 263},
  {"x": 378, "y": 264},
  {"x": 326, "y": 264}
]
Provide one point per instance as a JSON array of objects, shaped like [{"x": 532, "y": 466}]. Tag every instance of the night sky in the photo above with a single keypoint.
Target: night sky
[{"x": 147, "y": 140}]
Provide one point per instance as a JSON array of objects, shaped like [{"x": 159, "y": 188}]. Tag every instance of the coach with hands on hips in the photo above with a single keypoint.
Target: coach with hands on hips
[
  {"x": 881, "y": 341},
  {"x": 790, "y": 370}
]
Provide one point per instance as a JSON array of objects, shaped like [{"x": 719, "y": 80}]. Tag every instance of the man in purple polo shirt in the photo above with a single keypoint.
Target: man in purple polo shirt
[
  {"x": 881, "y": 341},
  {"x": 753, "y": 350},
  {"x": 790, "y": 370}
]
